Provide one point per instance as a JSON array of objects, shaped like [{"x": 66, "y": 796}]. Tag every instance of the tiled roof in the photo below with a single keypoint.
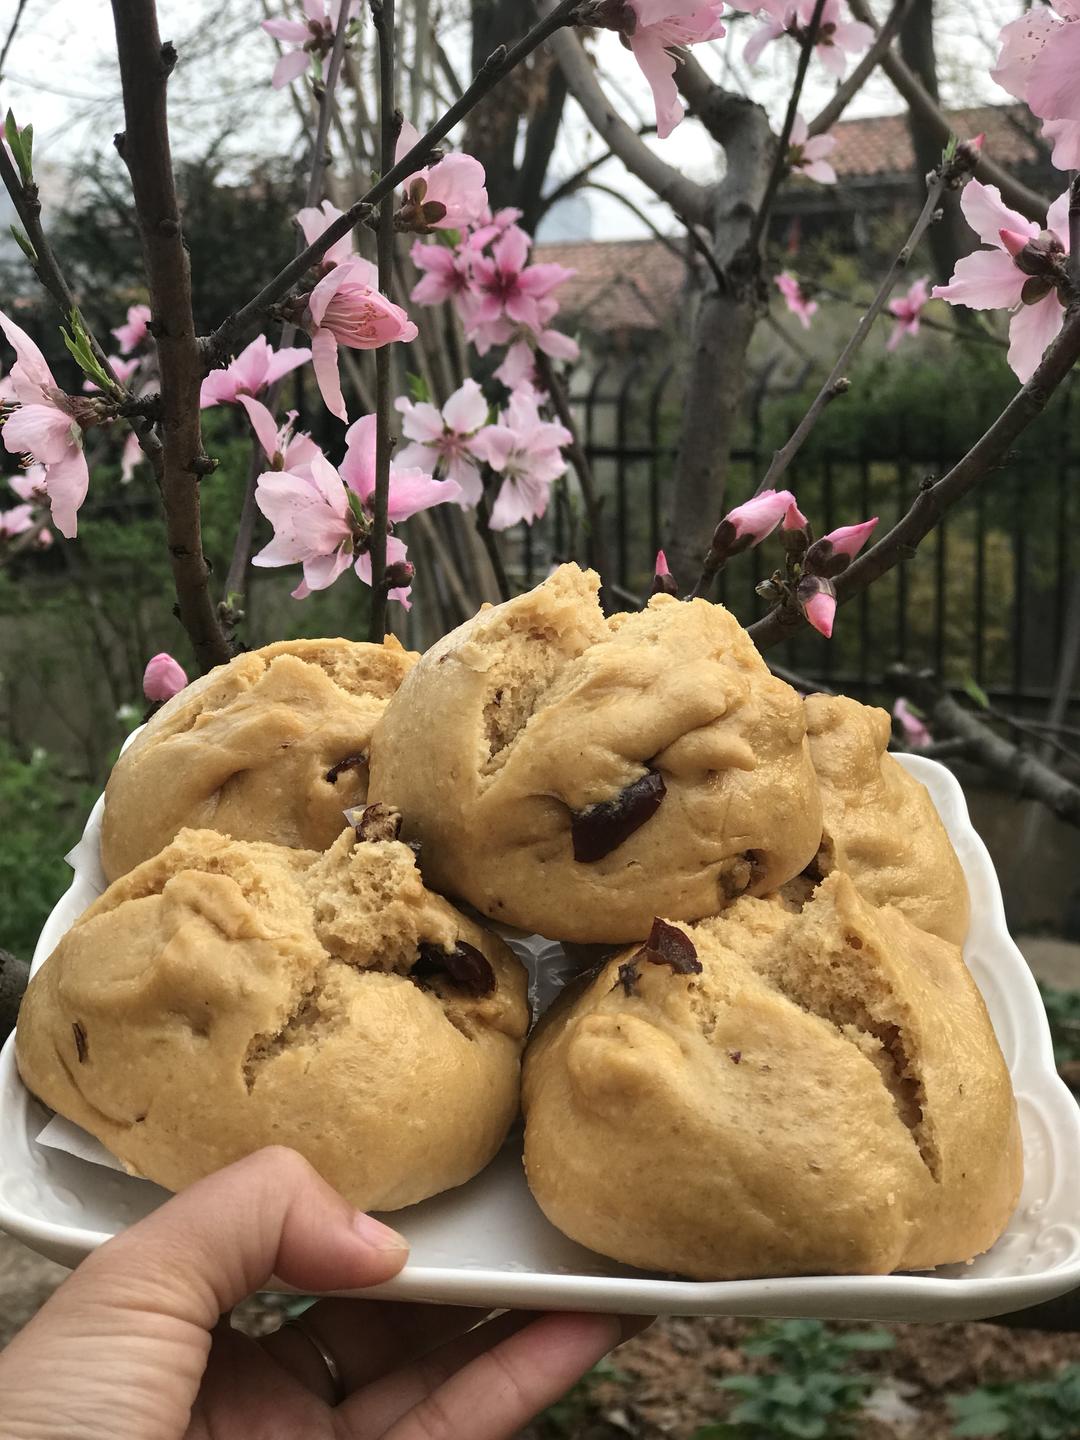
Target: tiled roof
[
  {"x": 619, "y": 284},
  {"x": 882, "y": 146}
]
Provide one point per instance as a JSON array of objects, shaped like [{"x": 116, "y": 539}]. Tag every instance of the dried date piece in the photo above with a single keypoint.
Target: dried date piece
[
  {"x": 375, "y": 822},
  {"x": 599, "y": 829},
  {"x": 80, "y": 1041},
  {"x": 351, "y": 762},
  {"x": 464, "y": 966},
  {"x": 666, "y": 945}
]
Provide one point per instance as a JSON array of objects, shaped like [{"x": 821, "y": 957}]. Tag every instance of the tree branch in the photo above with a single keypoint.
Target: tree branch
[
  {"x": 145, "y": 65},
  {"x": 12, "y": 32},
  {"x": 495, "y": 68},
  {"x": 1013, "y": 191},
  {"x": 831, "y": 388},
  {"x": 779, "y": 166},
  {"x": 595, "y": 546},
  {"x": 846, "y": 91},
  {"x": 1030, "y": 777},
  {"x": 935, "y": 497},
  {"x": 382, "y": 12},
  {"x": 683, "y": 194}
]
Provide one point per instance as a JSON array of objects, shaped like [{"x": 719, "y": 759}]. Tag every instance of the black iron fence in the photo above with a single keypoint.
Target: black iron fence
[{"x": 986, "y": 600}]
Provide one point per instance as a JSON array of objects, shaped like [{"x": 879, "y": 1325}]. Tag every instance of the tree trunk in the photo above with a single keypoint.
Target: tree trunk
[
  {"x": 950, "y": 237},
  {"x": 723, "y": 328},
  {"x": 14, "y": 974},
  {"x": 491, "y": 130}
]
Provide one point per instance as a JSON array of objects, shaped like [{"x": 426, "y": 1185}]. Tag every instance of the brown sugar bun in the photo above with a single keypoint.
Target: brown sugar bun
[
  {"x": 881, "y": 826},
  {"x": 774, "y": 1092},
  {"x": 229, "y": 995},
  {"x": 272, "y": 746},
  {"x": 575, "y": 775}
]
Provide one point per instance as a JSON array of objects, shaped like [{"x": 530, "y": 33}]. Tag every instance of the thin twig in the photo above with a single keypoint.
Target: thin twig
[
  {"x": 491, "y": 545},
  {"x": 236, "y": 579},
  {"x": 1029, "y": 202},
  {"x": 382, "y": 13},
  {"x": 783, "y": 457},
  {"x": 1074, "y": 230},
  {"x": 846, "y": 91},
  {"x": 780, "y": 162},
  {"x": 935, "y": 497},
  {"x": 145, "y": 66},
  {"x": 595, "y": 544},
  {"x": 11, "y": 34},
  {"x": 498, "y": 64}
]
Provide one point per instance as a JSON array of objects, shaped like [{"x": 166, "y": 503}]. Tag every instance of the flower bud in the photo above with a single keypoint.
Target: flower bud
[
  {"x": 399, "y": 575},
  {"x": 664, "y": 583},
  {"x": 816, "y": 598},
  {"x": 163, "y": 678}
]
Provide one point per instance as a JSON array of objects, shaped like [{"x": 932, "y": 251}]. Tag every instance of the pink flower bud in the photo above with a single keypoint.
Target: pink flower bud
[
  {"x": 976, "y": 142},
  {"x": 1013, "y": 241},
  {"x": 661, "y": 564},
  {"x": 794, "y": 519},
  {"x": 664, "y": 583},
  {"x": 820, "y": 610},
  {"x": 912, "y": 728},
  {"x": 747, "y": 525},
  {"x": 850, "y": 539},
  {"x": 163, "y": 678}
]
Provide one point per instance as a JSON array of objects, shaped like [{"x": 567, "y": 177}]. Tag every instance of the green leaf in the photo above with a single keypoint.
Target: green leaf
[
  {"x": 24, "y": 245},
  {"x": 18, "y": 147},
  {"x": 976, "y": 693},
  {"x": 867, "y": 1340},
  {"x": 418, "y": 388},
  {"x": 949, "y": 153},
  {"x": 28, "y": 146}
]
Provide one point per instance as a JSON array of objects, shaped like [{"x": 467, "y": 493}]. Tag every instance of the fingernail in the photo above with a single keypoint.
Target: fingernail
[{"x": 376, "y": 1234}]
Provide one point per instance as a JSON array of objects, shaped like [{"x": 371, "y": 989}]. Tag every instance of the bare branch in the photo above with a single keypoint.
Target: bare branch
[
  {"x": 1074, "y": 231},
  {"x": 683, "y": 194},
  {"x": 1014, "y": 192},
  {"x": 779, "y": 166},
  {"x": 1028, "y": 777},
  {"x": 846, "y": 91},
  {"x": 12, "y": 32},
  {"x": 382, "y": 12},
  {"x": 145, "y": 65},
  {"x": 935, "y": 497},
  {"x": 498, "y": 65},
  {"x": 595, "y": 547}
]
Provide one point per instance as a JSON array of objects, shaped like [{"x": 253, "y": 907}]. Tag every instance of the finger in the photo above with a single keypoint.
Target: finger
[
  {"x": 366, "y": 1339},
  {"x": 375, "y": 1408},
  {"x": 210, "y": 1246},
  {"x": 498, "y": 1392}
]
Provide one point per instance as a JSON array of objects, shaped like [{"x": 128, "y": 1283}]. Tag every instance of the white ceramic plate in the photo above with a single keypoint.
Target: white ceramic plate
[{"x": 487, "y": 1243}]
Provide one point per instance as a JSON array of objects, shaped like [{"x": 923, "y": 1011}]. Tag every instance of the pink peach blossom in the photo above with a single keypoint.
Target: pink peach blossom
[
  {"x": 794, "y": 519},
  {"x": 256, "y": 367},
  {"x": 807, "y": 155},
  {"x": 906, "y": 309},
  {"x": 752, "y": 522},
  {"x": 507, "y": 287},
  {"x": 347, "y": 308},
  {"x": 133, "y": 332},
  {"x": 836, "y": 38},
  {"x": 447, "y": 273},
  {"x": 163, "y": 677},
  {"x": 993, "y": 280},
  {"x": 802, "y": 308},
  {"x": 44, "y": 425},
  {"x": 16, "y": 521},
  {"x": 849, "y": 539},
  {"x": 284, "y": 449},
  {"x": 914, "y": 730},
  {"x": 820, "y": 610},
  {"x": 1038, "y": 63},
  {"x": 457, "y": 183},
  {"x": 314, "y": 219},
  {"x": 131, "y": 456},
  {"x": 31, "y": 485},
  {"x": 443, "y": 441},
  {"x": 663, "y": 27},
  {"x": 313, "y": 35},
  {"x": 526, "y": 450}
]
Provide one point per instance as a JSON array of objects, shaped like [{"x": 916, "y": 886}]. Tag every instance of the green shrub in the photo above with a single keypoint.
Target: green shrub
[
  {"x": 812, "y": 1394},
  {"x": 1024, "y": 1410}
]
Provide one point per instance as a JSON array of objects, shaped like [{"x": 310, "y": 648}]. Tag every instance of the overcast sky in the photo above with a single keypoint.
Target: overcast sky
[{"x": 61, "y": 74}]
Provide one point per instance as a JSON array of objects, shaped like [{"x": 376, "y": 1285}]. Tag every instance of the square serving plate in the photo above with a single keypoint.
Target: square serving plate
[{"x": 487, "y": 1243}]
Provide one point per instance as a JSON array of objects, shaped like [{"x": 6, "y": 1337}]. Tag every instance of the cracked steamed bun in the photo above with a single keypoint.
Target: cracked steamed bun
[
  {"x": 227, "y": 995},
  {"x": 576, "y": 775},
  {"x": 272, "y": 746},
  {"x": 881, "y": 826},
  {"x": 775, "y": 1092}
]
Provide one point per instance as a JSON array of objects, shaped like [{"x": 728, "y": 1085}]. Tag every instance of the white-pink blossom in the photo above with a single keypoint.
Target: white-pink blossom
[
  {"x": 43, "y": 425},
  {"x": 256, "y": 368},
  {"x": 906, "y": 310},
  {"x": 506, "y": 287},
  {"x": 447, "y": 274},
  {"x": 133, "y": 332},
  {"x": 322, "y": 516},
  {"x": 914, "y": 730},
  {"x": 456, "y": 183},
  {"x": 662, "y": 28},
  {"x": 806, "y": 153},
  {"x": 346, "y": 307},
  {"x": 526, "y": 450},
  {"x": 993, "y": 280},
  {"x": 443, "y": 441},
  {"x": 314, "y": 220},
  {"x": 313, "y": 35},
  {"x": 836, "y": 38},
  {"x": 282, "y": 447},
  {"x": 790, "y": 288},
  {"x": 1039, "y": 63},
  {"x": 16, "y": 521}
]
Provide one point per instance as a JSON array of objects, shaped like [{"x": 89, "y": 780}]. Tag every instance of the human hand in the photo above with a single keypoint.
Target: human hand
[{"x": 132, "y": 1346}]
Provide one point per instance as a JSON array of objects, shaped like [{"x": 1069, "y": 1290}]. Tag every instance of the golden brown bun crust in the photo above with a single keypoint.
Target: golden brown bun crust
[
  {"x": 246, "y": 750},
  {"x": 225, "y": 995},
  {"x": 880, "y": 823},
  {"x": 827, "y": 1096},
  {"x": 539, "y": 708}
]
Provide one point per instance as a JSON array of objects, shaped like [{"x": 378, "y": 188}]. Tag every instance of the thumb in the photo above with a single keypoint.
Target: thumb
[{"x": 216, "y": 1242}]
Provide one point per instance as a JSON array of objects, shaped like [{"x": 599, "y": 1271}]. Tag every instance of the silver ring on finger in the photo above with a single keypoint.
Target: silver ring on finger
[{"x": 336, "y": 1382}]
